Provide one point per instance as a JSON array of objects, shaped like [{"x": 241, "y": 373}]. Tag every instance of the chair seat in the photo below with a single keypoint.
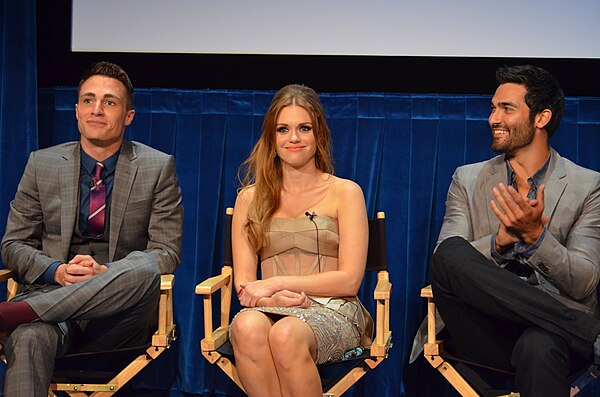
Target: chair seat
[{"x": 93, "y": 367}]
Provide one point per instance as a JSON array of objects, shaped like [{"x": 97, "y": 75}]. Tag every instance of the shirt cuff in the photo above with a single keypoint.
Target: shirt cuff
[
  {"x": 500, "y": 258},
  {"x": 48, "y": 276},
  {"x": 526, "y": 251}
]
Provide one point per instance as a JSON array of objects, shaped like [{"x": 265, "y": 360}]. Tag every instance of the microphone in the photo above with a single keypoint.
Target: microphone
[{"x": 310, "y": 215}]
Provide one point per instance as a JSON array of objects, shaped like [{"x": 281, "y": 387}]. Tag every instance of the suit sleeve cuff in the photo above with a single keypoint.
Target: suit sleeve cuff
[{"x": 48, "y": 276}]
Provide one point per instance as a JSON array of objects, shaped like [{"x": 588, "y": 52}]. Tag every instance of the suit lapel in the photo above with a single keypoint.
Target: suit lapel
[
  {"x": 496, "y": 173},
  {"x": 69, "y": 189},
  {"x": 123, "y": 182},
  {"x": 556, "y": 184}
]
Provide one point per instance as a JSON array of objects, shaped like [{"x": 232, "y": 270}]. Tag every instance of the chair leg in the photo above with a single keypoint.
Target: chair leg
[
  {"x": 231, "y": 371},
  {"x": 452, "y": 375},
  {"x": 352, "y": 376}
]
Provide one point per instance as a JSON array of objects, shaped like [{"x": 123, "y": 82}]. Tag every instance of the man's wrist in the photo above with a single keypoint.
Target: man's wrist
[
  {"x": 500, "y": 248},
  {"x": 59, "y": 274},
  {"x": 532, "y": 238}
]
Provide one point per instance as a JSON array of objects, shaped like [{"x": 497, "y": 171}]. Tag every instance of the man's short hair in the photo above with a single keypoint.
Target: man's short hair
[
  {"x": 109, "y": 70},
  {"x": 543, "y": 91}
]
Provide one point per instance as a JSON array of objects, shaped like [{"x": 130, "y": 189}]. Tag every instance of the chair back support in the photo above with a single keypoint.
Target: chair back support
[
  {"x": 377, "y": 253},
  {"x": 227, "y": 252}
]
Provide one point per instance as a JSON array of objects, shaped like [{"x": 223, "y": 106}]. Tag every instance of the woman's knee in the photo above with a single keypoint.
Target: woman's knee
[
  {"x": 249, "y": 330},
  {"x": 291, "y": 339}
]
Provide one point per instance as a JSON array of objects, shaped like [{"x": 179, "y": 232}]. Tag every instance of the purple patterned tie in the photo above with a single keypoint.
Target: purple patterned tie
[{"x": 95, "y": 226}]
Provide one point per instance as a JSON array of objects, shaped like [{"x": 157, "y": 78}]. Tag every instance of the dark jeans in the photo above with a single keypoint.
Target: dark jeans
[{"x": 497, "y": 319}]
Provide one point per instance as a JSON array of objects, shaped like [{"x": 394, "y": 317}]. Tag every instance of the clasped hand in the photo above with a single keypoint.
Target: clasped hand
[
  {"x": 251, "y": 293},
  {"x": 80, "y": 268},
  {"x": 520, "y": 218}
]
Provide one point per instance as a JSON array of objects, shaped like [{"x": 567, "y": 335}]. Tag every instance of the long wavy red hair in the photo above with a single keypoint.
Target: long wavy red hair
[{"x": 262, "y": 169}]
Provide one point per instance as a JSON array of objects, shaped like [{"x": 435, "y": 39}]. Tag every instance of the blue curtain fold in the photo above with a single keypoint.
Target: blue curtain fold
[
  {"x": 18, "y": 94},
  {"x": 401, "y": 149},
  {"x": 18, "y": 100}
]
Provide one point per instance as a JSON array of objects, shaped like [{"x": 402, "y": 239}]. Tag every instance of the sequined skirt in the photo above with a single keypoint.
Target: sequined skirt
[{"x": 335, "y": 333}]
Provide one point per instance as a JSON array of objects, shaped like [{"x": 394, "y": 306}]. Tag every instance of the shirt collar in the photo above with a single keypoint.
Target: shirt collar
[
  {"x": 110, "y": 164},
  {"x": 534, "y": 181}
]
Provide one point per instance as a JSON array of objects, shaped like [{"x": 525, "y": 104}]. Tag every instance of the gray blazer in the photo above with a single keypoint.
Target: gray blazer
[
  {"x": 567, "y": 263},
  {"x": 146, "y": 216}
]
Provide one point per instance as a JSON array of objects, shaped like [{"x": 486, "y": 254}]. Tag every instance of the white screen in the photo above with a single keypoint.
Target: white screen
[{"x": 469, "y": 28}]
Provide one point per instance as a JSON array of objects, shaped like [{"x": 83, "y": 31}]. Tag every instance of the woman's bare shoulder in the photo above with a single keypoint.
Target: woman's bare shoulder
[
  {"x": 345, "y": 186},
  {"x": 245, "y": 195}
]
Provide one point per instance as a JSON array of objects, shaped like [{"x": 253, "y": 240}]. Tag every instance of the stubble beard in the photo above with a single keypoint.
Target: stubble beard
[{"x": 519, "y": 136}]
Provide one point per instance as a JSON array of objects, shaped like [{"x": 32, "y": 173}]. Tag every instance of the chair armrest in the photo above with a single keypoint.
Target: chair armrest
[
  {"x": 166, "y": 327},
  {"x": 166, "y": 282},
  {"x": 383, "y": 289},
  {"x": 383, "y": 335},
  {"x": 426, "y": 292},
  {"x": 5, "y": 274},
  {"x": 11, "y": 285},
  {"x": 212, "y": 284},
  {"x": 433, "y": 347},
  {"x": 214, "y": 338}
]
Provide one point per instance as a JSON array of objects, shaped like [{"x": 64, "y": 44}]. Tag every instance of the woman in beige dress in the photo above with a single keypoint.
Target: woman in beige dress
[{"x": 308, "y": 230}]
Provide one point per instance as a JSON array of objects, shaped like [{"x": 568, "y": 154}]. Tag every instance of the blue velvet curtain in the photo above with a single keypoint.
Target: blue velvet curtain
[
  {"x": 18, "y": 99},
  {"x": 18, "y": 94},
  {"x": 402, "y": 150}
]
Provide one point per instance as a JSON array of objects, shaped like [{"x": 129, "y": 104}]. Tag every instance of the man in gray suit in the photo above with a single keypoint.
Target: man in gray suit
[
  {"x": 92, "y": 227},
  {"x": 515, "y": 271}
]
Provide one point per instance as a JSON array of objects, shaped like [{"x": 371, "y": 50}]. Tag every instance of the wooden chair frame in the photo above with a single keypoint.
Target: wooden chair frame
[
  {"x": 215, "y": 338},
  {"x": 433, "y": 349},
  {"x": 161, "y": 340}
]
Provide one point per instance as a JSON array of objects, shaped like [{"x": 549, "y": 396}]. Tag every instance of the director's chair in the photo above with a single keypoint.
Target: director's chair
[
  {"x": 217, "y": 350},
  {"x": 76, "y": 380},
  {"x": 465, "y": 376}
]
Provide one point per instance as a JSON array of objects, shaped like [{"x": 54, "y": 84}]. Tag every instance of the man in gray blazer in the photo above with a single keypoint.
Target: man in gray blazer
[
  {"x": 515, "y": 271},
  {"x": 92, "y": 227}
]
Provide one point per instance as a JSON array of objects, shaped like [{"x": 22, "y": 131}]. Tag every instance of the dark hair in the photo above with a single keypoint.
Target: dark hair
[
  {"x": 543, "y": 91},
  {"x": 109, "y": 70}
]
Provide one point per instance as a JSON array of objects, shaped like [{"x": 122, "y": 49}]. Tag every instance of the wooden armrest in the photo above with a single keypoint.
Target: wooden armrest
[
  {"x": 432, "y": 347},
  {"x": 212, "y": 284},
  {"x": 166, "y": 327},
  {"x": 383, "y": 289},
  {"x": 166, "y": 282},
  {"x": 213, "y": 338},
  {"x": 8, "y": 276},
  {"x": 5, "y": 274},
  {"x": 426, "y": 292},
  {"x": 383, "y": 334}
]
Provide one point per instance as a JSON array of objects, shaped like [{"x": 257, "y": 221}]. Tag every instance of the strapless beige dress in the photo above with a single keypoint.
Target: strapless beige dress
[{"x": 297, "y": 246}]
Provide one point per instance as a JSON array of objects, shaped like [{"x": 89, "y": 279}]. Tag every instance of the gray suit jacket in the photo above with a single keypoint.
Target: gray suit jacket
[
  {"x": 567, "y": 263},
  {"x": 146, "y": 216}
]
